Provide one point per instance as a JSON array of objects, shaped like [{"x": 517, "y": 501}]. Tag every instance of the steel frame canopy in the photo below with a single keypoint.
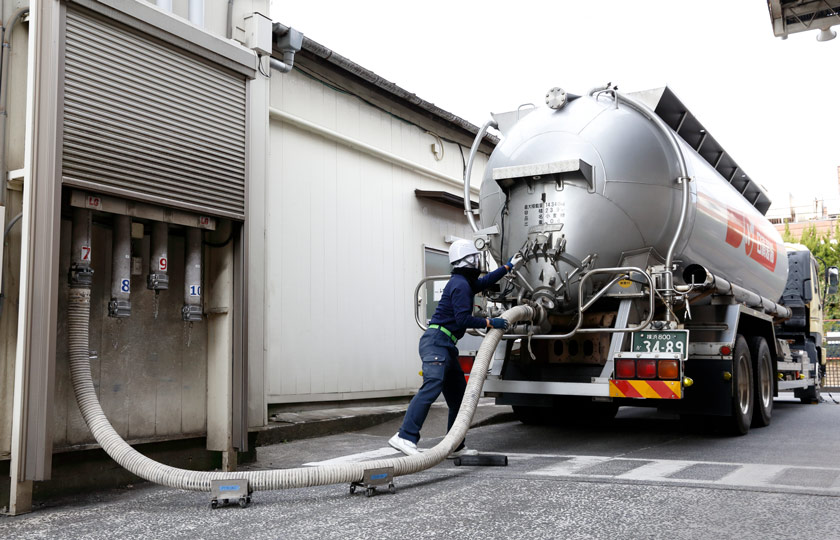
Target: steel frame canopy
[{"x": 792, "y": 16}]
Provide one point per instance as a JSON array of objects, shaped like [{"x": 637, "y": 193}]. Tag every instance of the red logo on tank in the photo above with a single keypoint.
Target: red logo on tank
[{"x": 756, "y": 244}]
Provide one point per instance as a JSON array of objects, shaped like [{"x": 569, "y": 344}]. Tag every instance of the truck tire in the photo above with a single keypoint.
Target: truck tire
[
  {"x": 742, "y": 389},
  {"x": 763, "y": 387},
  {"x": 812, "y": 393}
]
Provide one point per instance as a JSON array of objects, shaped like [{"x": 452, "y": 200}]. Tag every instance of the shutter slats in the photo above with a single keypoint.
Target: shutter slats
[{"x": 143, "y": 117}]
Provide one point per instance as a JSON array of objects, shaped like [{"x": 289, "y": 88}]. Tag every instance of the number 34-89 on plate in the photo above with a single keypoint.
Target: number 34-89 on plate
[{"x": 671, "y": 341}]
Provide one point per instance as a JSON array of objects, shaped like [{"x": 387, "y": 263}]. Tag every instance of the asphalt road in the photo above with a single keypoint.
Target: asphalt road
[{"x": 645, "y": 475}]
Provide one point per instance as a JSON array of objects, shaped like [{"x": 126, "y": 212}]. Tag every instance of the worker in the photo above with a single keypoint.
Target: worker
[{"x": 441, "y": 370}]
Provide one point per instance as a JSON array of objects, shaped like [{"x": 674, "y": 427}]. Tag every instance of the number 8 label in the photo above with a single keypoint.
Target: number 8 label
[{"x": 125, "y": 285}]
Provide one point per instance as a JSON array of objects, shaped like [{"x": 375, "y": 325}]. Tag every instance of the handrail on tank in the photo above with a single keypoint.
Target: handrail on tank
[
  {"x": 622, "y": 271},
  {"x": 468, "y": 172},
  {"x": 418, "y": 301},
  {"x": 683, "y": 179}
]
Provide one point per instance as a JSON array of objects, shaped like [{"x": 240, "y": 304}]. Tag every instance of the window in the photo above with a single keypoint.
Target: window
[{"x": 435, "y": 263}]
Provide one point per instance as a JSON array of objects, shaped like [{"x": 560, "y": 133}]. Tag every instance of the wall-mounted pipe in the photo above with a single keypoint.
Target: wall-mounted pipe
[
  {"x": 158, "y": 279},
  {"x": 120, "y": 304},
  {"x": 4, "y": 91},
  {"x": 81, "y": 274},
  {"x": 196, "y": 12},
  {"x": 191, "y": 311}
]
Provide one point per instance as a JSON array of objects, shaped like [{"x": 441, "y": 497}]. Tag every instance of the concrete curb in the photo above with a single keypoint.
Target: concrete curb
[{"x": 332, "y": 426}]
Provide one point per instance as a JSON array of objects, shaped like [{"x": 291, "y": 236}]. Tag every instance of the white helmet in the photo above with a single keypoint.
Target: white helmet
[{"x": 460, "y": 249}]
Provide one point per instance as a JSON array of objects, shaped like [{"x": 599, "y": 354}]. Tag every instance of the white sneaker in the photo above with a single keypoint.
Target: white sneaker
[
  {"x": 403, "y": 445},
  {"x": 462, "y": 452}
]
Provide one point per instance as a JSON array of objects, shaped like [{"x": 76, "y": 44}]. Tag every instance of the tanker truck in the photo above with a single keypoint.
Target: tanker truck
[{"x": 657, "y": 278}]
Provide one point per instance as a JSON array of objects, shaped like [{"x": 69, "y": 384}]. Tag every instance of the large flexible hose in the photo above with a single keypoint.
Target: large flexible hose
[{"x": 78, "y": 325}]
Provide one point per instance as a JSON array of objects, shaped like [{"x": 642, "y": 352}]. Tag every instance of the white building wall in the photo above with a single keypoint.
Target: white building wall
[{"x": 344, "y": 246}]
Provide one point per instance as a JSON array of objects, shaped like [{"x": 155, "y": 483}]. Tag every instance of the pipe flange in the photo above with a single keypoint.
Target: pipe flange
[
  {"x": 80, "y": 276},
  {"x": 556, "y": 98},
  {"x": 157, "y": 282},
  {"x": 545, "y": 298},
  {"x": 119, "y": 309},
  {"x": 191, "y": 313}
]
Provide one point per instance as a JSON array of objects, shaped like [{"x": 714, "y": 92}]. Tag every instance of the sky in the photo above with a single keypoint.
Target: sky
[{"x": 771, "y": 103}]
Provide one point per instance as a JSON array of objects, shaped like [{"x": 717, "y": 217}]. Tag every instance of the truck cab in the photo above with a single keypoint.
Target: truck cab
[{"x": 804, "y": 330}]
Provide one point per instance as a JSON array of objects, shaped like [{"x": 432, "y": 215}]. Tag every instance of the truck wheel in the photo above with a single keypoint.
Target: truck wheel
[
  {"x": 742, "y": 388},
  {"x": 812, "y": 393},
  {"x": 763, "y": 387}
]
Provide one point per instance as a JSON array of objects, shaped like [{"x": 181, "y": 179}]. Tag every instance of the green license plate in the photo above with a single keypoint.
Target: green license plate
[{"x": 671, "y": 341}]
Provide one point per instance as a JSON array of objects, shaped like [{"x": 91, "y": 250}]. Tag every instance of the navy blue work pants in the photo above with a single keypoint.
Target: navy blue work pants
[{"x": 441, "y": 373}]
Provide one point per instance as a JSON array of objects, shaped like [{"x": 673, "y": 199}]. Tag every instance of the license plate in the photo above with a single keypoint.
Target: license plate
[{"x": 671, "y": 341}]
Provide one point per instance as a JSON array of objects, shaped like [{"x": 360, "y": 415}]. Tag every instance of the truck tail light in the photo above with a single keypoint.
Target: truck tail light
[
  {"x": 625, "y": 368},
  {"x": 466, "y": 365},
  {"x": 669, "y": 369},
  {"x": 646, "y": 369}
]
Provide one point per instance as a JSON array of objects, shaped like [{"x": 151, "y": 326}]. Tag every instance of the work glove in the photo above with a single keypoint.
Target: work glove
[
  {"x": 498, "y": 322},
  {"x": 515, "y": 262}
]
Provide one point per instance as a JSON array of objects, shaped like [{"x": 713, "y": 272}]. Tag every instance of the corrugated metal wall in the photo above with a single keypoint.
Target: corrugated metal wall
[
  {"x": 345, "y": 236},
  {"x": 145, "y": 120}
]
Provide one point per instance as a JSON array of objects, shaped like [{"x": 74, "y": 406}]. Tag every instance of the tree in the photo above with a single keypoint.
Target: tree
[{"x": 825, "y": 249}]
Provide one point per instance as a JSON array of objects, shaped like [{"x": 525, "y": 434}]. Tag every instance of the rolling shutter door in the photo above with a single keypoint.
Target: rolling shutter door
[{"x": 146, "y": 121}]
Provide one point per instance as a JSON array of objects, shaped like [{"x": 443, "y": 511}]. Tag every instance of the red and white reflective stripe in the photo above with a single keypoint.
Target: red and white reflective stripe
[{"x": 646, "y": 389}]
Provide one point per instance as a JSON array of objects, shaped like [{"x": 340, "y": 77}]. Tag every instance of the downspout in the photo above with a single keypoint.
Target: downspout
[
  {"x": 196, "y": 12},
  {"x": 4, "y": 90},
  {"x": 288, "y": 41},
  {"x": 229, "y": 29}
]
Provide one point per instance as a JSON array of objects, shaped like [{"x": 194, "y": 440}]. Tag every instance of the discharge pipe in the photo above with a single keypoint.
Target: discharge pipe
[
  {"x": 81, "y": 274},
  {"x": 191, "y": 312},
  {"x": 120, "y": 304},
  {"x": 158, "y": 279},
  {"x": 468, "y": 174},
  {"x": 78, "y": 317}
]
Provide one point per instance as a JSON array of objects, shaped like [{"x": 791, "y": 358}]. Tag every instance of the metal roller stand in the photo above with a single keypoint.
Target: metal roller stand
[{"x": 375, "y": 477}]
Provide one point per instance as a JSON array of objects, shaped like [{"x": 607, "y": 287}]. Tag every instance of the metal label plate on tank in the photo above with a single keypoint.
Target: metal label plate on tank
[
  {"x": 547, "y": 213},
  {"x": 669, "y": 341}
]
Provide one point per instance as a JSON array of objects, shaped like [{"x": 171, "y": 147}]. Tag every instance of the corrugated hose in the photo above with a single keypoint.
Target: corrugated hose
[{"x": 148, "y": 469}]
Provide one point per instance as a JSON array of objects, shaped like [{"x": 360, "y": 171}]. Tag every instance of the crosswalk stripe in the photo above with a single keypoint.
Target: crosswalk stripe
[{"x": 668, "y": 471}]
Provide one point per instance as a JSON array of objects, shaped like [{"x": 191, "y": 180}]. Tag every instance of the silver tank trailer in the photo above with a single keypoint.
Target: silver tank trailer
[{"x": 591, "y": 185}]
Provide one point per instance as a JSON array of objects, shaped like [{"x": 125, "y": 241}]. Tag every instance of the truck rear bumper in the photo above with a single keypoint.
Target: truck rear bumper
[{"x": 599, "y": 388}]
